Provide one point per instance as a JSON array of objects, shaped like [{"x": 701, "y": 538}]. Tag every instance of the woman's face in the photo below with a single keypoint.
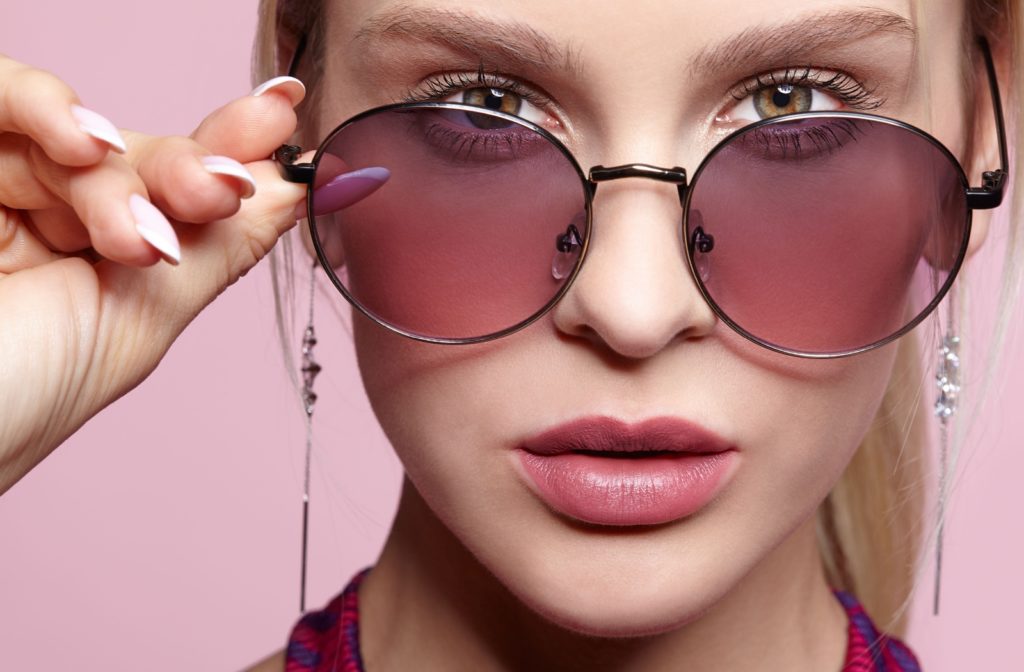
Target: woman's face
[{"x": 640, "y": 82}]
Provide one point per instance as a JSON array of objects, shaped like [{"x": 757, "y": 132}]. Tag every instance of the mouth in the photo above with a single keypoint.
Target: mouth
[{"x": 604, "y": 471}]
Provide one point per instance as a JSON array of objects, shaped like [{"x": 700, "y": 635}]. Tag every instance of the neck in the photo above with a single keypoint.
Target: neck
[{"x": 429, "y": 602}]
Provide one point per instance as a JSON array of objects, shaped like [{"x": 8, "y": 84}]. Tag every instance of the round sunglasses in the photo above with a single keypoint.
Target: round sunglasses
[{"x": 818, "y": 234}]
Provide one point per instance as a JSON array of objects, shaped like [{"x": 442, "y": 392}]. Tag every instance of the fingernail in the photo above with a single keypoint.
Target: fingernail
[
  {"x": 99, "y": 127},
  {"x": 155, "y": 229},
  {"x": 223, "y": 165},
  {"x": 289, "y": 86},
  {"x": 348, "y": 189}
]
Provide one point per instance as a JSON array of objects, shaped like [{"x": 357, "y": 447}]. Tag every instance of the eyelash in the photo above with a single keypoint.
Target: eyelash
[
  {"x": 844, "y": 87},
  {"x": 443, "y": 85}
]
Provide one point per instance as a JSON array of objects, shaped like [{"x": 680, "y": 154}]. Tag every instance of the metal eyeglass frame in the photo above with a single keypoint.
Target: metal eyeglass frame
[{"x": 989, "y": 195}]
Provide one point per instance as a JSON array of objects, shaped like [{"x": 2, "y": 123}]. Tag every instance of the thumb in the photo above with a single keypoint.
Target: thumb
[{"x": 167, "y": 298}]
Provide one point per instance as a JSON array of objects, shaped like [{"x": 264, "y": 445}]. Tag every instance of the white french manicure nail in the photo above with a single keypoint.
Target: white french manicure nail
[
  {"x": 293, "y": 88},
  {"x": 99, "y": 127},
  {"x": 155, "y": 229},
  {"x": 223, "y": 165}
]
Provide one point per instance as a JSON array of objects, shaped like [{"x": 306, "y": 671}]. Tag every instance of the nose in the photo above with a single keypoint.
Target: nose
[{"x": 635, "y": 294}]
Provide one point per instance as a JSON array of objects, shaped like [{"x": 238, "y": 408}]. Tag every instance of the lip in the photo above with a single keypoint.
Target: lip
[{"x": 605, "y": 471}]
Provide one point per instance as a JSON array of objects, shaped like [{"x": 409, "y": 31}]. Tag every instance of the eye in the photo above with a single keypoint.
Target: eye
[
  {"x": 499, "y": 100},
  {"x": 775, "y": 100}
]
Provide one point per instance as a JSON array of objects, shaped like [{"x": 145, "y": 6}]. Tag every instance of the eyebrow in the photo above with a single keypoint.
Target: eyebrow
[
  {"x": 509, "y": 42},
  {"x": 793, "y": 42},
  {"x": 518, "y": 45}
]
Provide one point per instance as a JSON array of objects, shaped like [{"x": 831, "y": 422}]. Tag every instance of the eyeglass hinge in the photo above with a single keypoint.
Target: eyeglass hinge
[
  {"x": 990, "y": 195},
  {"x": 301, "y": 173}
]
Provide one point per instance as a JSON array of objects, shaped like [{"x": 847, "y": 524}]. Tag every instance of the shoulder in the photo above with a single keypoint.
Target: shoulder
[{"x": 272, "y": 663}]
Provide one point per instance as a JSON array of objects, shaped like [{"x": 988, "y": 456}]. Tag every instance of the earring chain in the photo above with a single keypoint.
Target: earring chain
[{"x": 310, "y": 370}]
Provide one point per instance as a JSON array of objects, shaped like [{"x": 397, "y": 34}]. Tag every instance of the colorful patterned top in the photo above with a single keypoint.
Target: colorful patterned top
[{"x": 328, "y": 640}]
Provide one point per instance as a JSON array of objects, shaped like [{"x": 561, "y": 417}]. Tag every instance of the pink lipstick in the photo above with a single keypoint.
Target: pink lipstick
[{"x": 604, "y": 471}]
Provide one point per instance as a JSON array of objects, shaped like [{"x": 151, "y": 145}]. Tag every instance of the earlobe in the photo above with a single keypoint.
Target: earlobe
[
  {"x": 329, "y": 242},
  {"x": 979, "y": 231}
]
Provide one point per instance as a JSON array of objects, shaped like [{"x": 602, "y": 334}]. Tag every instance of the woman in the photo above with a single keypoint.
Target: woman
[{"x": 630, "y": 345}]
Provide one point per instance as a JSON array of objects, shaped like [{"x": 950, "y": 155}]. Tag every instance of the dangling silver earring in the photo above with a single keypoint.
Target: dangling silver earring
[
  {"x": 310, "y": 369},
  {"x": 947, "y": 378}
]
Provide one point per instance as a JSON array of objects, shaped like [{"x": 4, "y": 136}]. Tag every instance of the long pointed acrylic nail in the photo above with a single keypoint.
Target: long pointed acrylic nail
[
  {"x": 348, "y": 189},
  {"x": 99, "y": 127},
  {"x": 223, "y": 165},
  {"x": 155, "y": 229},
  {"x": 289, "y": 86}
]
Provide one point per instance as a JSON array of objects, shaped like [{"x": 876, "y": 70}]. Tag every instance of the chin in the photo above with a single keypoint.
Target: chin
[
  {"x": 618, "y": 605},
  {"x": 617, "y": 616}
]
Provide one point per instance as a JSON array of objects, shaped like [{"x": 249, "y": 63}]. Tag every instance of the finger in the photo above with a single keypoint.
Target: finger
[
  {"x": 247, "y": 237},
  {"x": 58, "y": 228},
  {"x": 20, "y": 189},
  {"x": 253, "y": 127},
  {"x": 188, "y": 183},
  {"x": 213, "y": 257},
  {"x": 38, "y": 104},
  {"x": 77, "y": 208},
  {"x": 229, "y": 248},
  {"x": 19, "y": 249},
  {"x": 111, "y": 202}
]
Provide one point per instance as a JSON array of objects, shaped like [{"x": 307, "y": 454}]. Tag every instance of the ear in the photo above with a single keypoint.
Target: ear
[
  {"x": 291, "y": 25},
  {"x": 984, "y": 136}
]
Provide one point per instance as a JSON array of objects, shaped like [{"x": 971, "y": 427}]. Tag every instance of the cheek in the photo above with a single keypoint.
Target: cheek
[
  {"x": 453, "y": 414},
  {"x": 798, "y": 424}
]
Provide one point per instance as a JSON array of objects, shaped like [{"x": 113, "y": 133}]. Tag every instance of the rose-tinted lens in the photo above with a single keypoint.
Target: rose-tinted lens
[
  {"x": 826, "y": 234},
  {"x": 478, "y": 225}
]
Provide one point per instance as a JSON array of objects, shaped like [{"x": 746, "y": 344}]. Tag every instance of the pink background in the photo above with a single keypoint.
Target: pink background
[{"x": 165, "y": 535}]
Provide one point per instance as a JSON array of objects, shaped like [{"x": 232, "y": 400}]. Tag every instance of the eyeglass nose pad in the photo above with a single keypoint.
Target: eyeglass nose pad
[
  {"x": 701, "y": 245},
  {"x": 568, "y": 246}
]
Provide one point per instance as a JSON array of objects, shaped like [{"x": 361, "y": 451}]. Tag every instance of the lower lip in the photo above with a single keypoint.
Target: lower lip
[{"x": 627, "y": 490}]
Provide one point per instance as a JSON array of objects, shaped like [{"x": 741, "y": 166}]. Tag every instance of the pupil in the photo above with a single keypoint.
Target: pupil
[
  {"x": 782, "y": 96},
  {"x": 494, "y": 99}
]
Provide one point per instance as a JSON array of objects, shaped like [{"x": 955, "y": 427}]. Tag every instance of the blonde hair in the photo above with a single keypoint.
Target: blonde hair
[{"x": 871, "y": 526}]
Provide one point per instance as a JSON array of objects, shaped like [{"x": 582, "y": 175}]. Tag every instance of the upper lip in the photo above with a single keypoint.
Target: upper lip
[{"x": 605, "y": 434}]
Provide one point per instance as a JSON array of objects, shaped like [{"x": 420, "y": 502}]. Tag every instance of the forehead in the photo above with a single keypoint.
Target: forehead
[
  {"x": 609, "y": 60},
  {"x": 568, "y": 32}
]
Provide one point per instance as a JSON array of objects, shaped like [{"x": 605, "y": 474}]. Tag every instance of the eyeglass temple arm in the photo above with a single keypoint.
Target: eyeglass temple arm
[{"x": 993, "y": 182}]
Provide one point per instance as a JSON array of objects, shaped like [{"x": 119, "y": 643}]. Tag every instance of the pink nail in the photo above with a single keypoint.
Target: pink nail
[
  {"x": 155, "y": 229},
  {"x": 289, "y": 86},
  {"x": 223, "y": 165},
  {"x": 99, "y": 127},
  {"x": 347, "y": 189}
]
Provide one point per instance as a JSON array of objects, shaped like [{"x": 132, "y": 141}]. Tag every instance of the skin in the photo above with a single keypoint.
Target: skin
[
  {"x": 89, "y": 307},
  {"x": 477, "y": 569}
]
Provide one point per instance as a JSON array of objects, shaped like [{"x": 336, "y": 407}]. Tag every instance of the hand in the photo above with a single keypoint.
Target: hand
[{"x": 87, "y": 307}]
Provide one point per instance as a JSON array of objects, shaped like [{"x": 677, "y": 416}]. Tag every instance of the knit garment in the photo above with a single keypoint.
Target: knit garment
[{"x": 328, "y": 640}]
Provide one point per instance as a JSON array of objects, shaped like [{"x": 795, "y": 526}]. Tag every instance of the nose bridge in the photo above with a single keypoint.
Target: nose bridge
[{"x": 635, "y": 292}]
